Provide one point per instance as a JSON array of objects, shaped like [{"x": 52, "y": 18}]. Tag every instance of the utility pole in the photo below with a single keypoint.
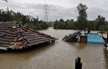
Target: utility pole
[{"x": 45, "y": 11}]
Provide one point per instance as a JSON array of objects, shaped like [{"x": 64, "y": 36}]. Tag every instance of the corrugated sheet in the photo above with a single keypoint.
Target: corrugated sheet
[
  {"x": 94, "y": 38},
  {"x": 17, "y": 36}
]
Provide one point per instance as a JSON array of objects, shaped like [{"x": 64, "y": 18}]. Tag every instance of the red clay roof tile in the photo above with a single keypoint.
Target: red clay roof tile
[{"x": 17, "y": 36}]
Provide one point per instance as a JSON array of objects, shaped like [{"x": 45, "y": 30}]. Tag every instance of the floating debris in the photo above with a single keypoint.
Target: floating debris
[
  {"x": 16, "y": 36},
  {"x": 71, "y": 37}
]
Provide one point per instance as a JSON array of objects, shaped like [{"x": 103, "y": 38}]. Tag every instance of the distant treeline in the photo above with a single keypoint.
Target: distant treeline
[
  {"x": 11, "y": 16},
  {"x": 98, "y": 24}
]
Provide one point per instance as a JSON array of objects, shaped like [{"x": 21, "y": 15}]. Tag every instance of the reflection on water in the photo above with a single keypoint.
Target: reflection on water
[{"x": 60, "y": 55}]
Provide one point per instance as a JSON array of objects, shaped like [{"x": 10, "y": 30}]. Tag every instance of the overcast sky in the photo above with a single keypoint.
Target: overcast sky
[{"x": 65, "y": 9}]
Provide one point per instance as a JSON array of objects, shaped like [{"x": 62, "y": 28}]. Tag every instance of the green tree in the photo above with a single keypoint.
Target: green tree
[
  {"x": 61, "y": 20},
  {"x": 92, "y": 25},
  {"x": 106, "y": 28},
  {"x": 101, "y": 28},
  {"x": 100, "y": 21},
  {"x": 56, "y": 25},
  {"x": 82, "y": 18},
  {"x": 27, "y": 20}
]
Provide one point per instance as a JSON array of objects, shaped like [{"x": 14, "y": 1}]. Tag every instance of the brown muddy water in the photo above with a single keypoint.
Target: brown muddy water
[{"x": 60, "y": 55}]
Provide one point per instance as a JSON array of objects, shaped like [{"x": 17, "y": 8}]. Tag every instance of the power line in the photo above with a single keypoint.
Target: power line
[
  {"x": 59, "y": 2},
  {"x": 52, "y": 1},
  {"x": 46, "y": 9}
]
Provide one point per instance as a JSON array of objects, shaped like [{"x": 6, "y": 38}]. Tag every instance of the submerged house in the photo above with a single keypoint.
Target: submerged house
[
  {"x": 16, "y": 36},
  {"x": 94, "y": 38},
  {"x": 81, "y": 36}
]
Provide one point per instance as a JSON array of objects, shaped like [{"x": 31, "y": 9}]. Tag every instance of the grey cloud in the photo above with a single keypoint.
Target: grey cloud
[
  {"x": 55, "y": 12},
  {"x": 58, "y": 12},
  {"x": 94, "y": 12},
  {"x": 11, "y": 4}
]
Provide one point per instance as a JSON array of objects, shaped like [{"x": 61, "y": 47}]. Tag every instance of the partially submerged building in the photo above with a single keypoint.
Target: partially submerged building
[
  {"x": 81, "y": 36},
  {"x": 16, "y": 36}
]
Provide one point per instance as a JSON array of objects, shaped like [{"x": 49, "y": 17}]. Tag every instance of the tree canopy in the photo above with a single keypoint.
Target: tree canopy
[
  {"x": 11, "y": 16},
  {"x": 98, "y": 24},
  {"x": 82, "y": 18}
]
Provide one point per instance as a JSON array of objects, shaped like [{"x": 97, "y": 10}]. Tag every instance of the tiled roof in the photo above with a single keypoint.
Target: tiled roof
[{"x": 17, "y": 36}]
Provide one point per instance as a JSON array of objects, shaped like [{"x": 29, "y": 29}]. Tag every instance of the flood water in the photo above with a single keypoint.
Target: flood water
[{"x": 60, "y": 55}]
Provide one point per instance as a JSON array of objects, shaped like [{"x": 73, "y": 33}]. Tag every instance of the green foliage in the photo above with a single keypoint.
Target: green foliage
[
  {"x": 98, "y": 24},
  {"x": 82, "y": 18},
  {"x": 100, "y": 21},
  {"x": 106, "y": 28},
  {"x": 56, "y": 25},
  {"x": 10, "y": 15},
  {"x": 92, "y": 25},
  {"x": 103, "y": 28},
  {"x": 61, "y": 24}
]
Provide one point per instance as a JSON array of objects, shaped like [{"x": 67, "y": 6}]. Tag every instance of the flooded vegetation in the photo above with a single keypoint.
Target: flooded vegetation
[{"x": 60, "y": 55}]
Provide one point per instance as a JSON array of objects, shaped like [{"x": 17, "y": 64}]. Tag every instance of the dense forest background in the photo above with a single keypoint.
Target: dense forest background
[{"x": 81, "y": 23}]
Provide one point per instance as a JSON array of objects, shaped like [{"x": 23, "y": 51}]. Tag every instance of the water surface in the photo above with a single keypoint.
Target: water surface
[{"x": 60, "y": 55}]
